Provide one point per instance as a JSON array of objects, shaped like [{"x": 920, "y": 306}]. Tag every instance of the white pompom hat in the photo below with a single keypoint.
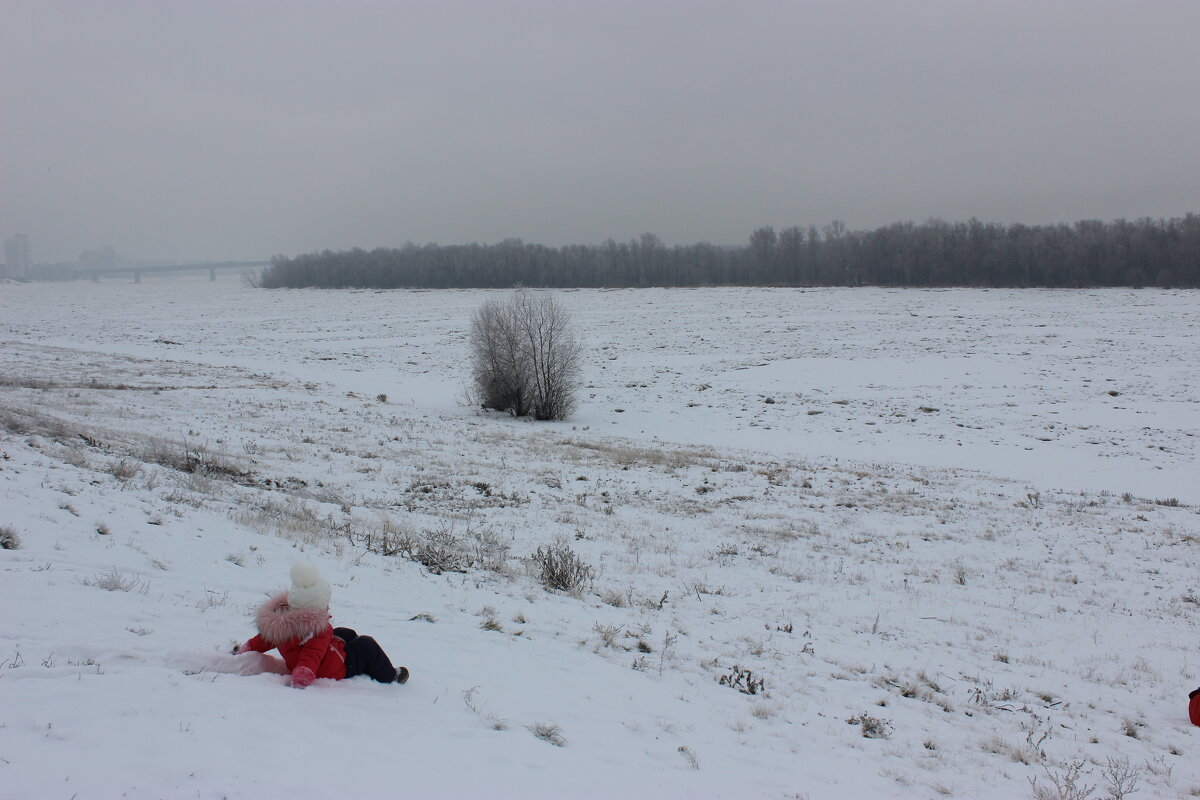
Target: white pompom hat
[{"x": 309, "y": 589}]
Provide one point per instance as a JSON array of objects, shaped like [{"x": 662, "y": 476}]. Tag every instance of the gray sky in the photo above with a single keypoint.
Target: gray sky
[{"x": 210, "y": 129}]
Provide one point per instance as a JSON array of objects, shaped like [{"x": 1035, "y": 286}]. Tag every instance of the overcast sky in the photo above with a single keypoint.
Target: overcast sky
[{"x": 210, "y": 129}]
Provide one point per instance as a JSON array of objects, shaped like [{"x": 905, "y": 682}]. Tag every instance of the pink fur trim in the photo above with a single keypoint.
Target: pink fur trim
[{"x": 279, "y": 623}]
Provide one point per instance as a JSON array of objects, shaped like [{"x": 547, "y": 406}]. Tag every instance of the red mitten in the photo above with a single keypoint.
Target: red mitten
[
  {"x": 302, "y": 676},
  {"x": 244, "y": 647}
]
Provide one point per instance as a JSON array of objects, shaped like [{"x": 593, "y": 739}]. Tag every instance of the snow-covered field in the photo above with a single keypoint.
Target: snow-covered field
[{"x": 965, "y": 520}]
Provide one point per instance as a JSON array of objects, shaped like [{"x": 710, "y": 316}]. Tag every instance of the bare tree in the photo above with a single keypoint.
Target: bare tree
[
  {"x": 763, "y": 243},
  {"x": 1140, "y": 252},
  {"x": 500, "y": 377},
  {"x": 525, "y": 357}
]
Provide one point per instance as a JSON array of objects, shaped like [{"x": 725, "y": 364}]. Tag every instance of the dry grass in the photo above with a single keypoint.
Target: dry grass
[
  {"x": 116, "y": 581},
  {"x": 548, "y": 732},
  {"x": 624, "y": 454}
]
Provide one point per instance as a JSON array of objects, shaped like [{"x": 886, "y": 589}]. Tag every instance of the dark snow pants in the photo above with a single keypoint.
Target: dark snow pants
[{"x": 364, "y": 656}]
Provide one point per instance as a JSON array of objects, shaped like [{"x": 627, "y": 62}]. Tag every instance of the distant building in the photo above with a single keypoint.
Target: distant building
[{"x": 18, "y": 256}]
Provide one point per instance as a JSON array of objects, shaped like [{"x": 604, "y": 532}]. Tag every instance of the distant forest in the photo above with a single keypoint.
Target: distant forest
[{"x": 1144, "y": 252}]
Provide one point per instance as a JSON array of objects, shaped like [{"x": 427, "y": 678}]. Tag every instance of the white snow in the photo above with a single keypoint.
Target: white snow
[{"x": 971, "y": 515}]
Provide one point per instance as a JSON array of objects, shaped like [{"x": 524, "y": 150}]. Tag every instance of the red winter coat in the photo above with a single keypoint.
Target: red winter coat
[{"x": 303, "y": 636}]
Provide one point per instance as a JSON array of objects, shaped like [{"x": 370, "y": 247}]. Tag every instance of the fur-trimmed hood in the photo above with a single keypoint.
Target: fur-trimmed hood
[{"x": 278, "y": 622}]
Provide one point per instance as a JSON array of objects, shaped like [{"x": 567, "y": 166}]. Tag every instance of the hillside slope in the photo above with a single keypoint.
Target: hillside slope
[{"x": 918, "y": 630}]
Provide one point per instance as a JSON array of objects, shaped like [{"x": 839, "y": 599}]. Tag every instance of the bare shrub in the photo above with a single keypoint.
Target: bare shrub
[
  {"x": 608, "y": 635},
  {"x": 76, "y": 455},
  {"x": 9, "y": 538},
  {"x": 116, "y": 581},
  {"x": 439, "y": 551},
  {"x": 124, "y": 470},
  {"x": 743, "y": 680},
  {"x": 14, "y": 422},
  {"x": 498, "y": 373},
  {"x": 386, "y": 537},
  {"x": 548, "y": 732},
  {"x": 1062, "y": 785},
  {"x": 615, "y": 598},
  {"x": 1120, "y": 779},
  {"x": 559, "y": 568},
  {"x": 485, "y": 550},
  {"x": 1020, "y": 753},
  {"x": 872, "y": 727},
  {"x": 525, "y": 358},
  {"x": 194, "y": 459},
  {"x": 764, "y": 711}
]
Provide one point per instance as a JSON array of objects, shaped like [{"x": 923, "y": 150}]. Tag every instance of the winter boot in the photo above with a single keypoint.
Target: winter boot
[{"x": 402, "y": 675}]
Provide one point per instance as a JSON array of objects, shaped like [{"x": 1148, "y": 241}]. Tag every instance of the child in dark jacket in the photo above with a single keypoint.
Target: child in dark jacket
[{"x": 296, "y": 623}]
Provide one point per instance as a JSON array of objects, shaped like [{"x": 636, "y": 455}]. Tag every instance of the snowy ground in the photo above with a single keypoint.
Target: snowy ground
[{"x": 967, "y": 517}]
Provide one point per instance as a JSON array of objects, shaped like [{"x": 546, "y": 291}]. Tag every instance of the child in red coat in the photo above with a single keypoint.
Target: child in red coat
[{"x": 296, "y": 622}]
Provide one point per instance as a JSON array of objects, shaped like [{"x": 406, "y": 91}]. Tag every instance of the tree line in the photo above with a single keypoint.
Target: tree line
[{"x": 1090, "y": 253}]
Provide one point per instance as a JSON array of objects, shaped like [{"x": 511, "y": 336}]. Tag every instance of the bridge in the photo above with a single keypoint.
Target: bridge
[{"x": 137, "y": 272}]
